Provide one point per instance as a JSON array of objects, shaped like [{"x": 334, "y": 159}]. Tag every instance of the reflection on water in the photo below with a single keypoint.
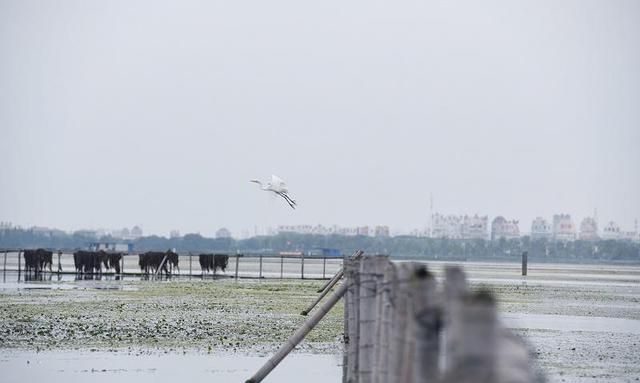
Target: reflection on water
[
  {"x": 571, "y": 323},
  {"x": 78, "y": 366}
]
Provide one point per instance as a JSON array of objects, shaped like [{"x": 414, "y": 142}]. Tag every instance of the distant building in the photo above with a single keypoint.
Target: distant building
[
  {"x": 322, "y": 230},
  {"x": 381, "y": 231},
  {"x": 363, "y": 230},
  {"x": 174, "y": 234},
  {"x": 223, "y": 233},
  {"x": 475, "y": 227},
  {"x": 459, "y": 227},
  {"x": 540, "y": 229},
  {"x": 588, "y": 229},
  {"x": 502, "y": 228},
  {"x": 86, "y": 233},
  {"x": 563, "y": 227},
  {"x": 611, "y": 231},
  {"x": 111, "y": 246},
  {"x": 136, "y": 232},
  {"x": 446, "y": 226}
]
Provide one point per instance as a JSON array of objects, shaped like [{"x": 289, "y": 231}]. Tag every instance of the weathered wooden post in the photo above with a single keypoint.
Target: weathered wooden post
[
  {"x": 384, "y": 324},
  {"x": 399, "y": 338},
  {"x": 351, "y": 269},
  {"x": 474, "y": 331},
  {"x": 237, "y": 260},
  {"x": 370, "y": 272},
  {"x": 428, "y": 322},
  {"x": 524, "y": 263},
  {"x": 324, "y": 267},
  {"x": 59, "y": 263},
  {"x": 308, "y": 325},
  {"x": 122, "y": 264},
  {"x": 326, "y": 290},
  {"x": 328, "y": 282},
  {"x": 260, "y": 273},
  {"x": 190, "y": 265},
  {"x": 455, "y": 289},
  {"x": 4, "y": 265},
  {"x": 302, "y": 266},
  {"x": 281, "y": 265}
]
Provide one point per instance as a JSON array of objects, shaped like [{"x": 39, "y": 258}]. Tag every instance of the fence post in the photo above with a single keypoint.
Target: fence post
[
  {"x": 122, "y": 264},
  {"x": 260, "y": 273},
  {"x": 345, "y": 334},
  {"x": 281, "y": 265},
  {"x": 385, "y": 322},
  {"x": 370, "y": 268},
  {"x": 4, "y": 266},
  {"x": 401, "y": 275},
  {"x": 302, "y": 266},
  {"x": 428, "y": 322},
  {"x": 324, "y": 266},
  {"x": 455, "y": 289},
  {"x": 59, "y": 264},
  {"x": 190, "y": 264},
  {"x": 524, "y": 263},
  {"x": 352, "y": 299},
  {"x": 19, "y": 264},
  {"x": 237, "y": 260}
]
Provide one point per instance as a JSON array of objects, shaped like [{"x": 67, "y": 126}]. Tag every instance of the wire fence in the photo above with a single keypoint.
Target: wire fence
[{"x": 273, "y": 266}]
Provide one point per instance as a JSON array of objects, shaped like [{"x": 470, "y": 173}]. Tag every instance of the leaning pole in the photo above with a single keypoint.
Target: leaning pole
[{"x": 297, "y": 337}]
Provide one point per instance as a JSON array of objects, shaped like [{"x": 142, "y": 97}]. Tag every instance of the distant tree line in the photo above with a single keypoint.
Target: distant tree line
[{"x": 399, "y": 246}]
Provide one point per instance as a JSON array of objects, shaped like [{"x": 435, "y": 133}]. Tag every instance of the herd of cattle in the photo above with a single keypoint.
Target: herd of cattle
[{"x": 93, "y": 262}]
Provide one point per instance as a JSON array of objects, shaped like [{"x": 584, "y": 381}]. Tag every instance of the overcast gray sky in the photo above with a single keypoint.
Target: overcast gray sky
[{"x": 115, "y": 113}]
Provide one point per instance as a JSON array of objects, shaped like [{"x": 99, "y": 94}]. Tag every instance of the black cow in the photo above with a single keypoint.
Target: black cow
[
  {"x": 91, "y": 262},
  {"x": 37, "y": 260},
  {"x": 151, "y": 261},
  {"x": 213, "y": 262}
]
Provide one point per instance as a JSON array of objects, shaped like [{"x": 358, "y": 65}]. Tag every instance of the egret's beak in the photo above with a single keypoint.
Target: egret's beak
[{"x": 256, "y": 181}]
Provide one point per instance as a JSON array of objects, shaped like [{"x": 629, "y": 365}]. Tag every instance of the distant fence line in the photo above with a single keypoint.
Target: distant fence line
[{"x": 283, "y": 266}]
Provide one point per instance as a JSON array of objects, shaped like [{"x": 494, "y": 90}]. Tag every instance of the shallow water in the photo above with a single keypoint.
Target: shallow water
[
  {"x": 571, "y": 323},
  {"x": 76, "y": 366}
]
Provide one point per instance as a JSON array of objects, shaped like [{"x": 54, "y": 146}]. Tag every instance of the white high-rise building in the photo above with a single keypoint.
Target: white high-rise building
[
  {"x": 540, "y": 228},
  {"x": 502, "y": 228},
  {"x": 563, "y": 227}
]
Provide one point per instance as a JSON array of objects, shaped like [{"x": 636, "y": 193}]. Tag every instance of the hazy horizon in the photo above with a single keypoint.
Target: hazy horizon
[{"x": 158, "y": 114}]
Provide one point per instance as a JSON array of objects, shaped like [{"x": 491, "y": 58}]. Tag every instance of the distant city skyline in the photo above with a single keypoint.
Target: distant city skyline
[{"x": 522, "y": 228}]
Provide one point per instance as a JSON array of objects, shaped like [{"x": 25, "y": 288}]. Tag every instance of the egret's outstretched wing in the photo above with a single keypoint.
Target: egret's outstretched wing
[{"x": 277, "y": 184}]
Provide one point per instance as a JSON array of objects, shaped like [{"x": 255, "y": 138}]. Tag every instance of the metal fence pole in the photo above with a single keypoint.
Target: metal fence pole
[
  {"x": 324, "y": 266},
  {"x": 237, "y": 260},
  {"x": 302, "y": 266},
  {"x": 4, "y": 266},
  {"x": 524, "y": 263},
  {"x": 281, "y": 265},
  {"x": 19, "y": 264},
  {"x": 260, "y": 275},
  {"x": 59, "y": 264},
  {"x": 190, "y": 267}
]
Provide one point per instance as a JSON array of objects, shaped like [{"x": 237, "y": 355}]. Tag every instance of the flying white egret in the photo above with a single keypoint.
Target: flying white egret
[{"x": 277, "y": 186}]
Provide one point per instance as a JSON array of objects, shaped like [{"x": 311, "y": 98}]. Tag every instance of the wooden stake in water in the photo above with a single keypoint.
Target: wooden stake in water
[{"x": 297, "y": 337}]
